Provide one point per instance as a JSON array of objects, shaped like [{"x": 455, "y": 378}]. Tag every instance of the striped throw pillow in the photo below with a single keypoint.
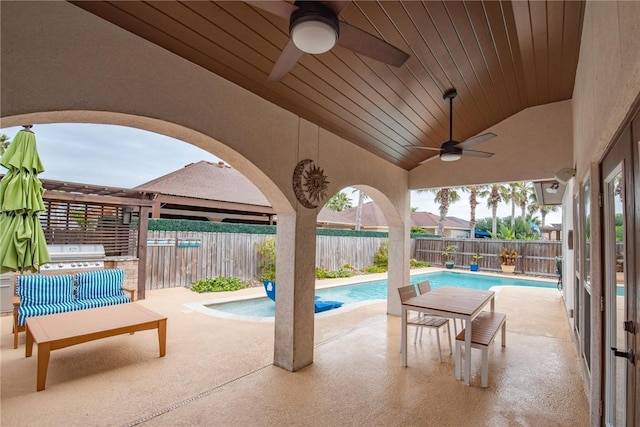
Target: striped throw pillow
[
  {"x": 99, "y": 284},
  {"x": 39, "y": 289}
]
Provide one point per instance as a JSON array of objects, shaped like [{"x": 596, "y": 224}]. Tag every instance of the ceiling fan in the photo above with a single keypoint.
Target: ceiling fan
[
  {"x": 314, "y": 28},
  {"x": 452, "y": 150}
]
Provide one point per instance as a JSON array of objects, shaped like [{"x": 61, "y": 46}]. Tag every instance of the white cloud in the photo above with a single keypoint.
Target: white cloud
[{"x": 109, "y": 155}]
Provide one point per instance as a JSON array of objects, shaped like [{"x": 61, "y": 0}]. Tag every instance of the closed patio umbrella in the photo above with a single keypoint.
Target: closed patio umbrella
[{"x": 23, "y": 246}]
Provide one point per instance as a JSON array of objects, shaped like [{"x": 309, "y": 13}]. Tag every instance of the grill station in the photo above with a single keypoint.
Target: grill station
[{"x": 74, "y": 257}]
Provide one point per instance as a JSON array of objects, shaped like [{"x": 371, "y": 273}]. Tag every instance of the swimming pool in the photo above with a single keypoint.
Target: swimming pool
[{"x": 377, "y": 290}]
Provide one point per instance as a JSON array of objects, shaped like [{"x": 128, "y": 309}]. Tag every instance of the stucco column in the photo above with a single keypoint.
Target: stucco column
[
  {"x": 295, "y": 279},
  {"x": 399, "y": 258}
]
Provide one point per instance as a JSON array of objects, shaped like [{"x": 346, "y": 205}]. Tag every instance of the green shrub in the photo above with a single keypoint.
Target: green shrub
[
  {"x": 218, "y": 284},
  {"x": 267, "y": 266},
  {"x": 381, "y": 257},
  {"x": 414, "y": 263},
  {"x": 321, "y": 273},
  {"x": 374, "y": 269}
]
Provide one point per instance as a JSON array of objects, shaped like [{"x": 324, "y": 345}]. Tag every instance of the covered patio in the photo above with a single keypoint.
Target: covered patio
[
  {"x": 219, "y": 372},
  {"x": 557, "y": 82}
]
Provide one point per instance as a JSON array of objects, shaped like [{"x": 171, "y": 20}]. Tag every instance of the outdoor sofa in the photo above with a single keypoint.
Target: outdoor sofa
[{"x": 40, "y": 294}]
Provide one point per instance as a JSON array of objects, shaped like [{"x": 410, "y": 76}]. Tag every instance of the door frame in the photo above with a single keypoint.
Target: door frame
[{"x": 626, "y": 150}]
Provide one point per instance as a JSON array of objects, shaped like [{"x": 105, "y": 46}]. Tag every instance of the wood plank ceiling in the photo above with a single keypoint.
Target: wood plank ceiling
[{"x": 501, "y": 56}]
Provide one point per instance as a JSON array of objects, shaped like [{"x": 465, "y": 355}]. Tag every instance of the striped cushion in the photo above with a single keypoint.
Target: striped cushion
[
  {"x": 38, "y": 289},
  {"x": 101, "y": 302},
  {"x": 25, "y": 311},
  {"x": 100, "y": 284}
]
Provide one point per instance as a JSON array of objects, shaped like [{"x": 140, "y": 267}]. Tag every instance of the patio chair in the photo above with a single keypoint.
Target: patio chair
[
  {"x": 408, "y": 292},
  {"x": 559, "y": 272},
  {"x": 423, "y": 288}
]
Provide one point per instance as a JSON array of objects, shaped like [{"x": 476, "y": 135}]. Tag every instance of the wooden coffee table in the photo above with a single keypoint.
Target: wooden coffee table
[{"x": 56, "y": 331}]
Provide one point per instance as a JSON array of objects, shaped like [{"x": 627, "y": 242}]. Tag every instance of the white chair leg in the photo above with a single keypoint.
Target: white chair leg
[
  {"x": 449, "y": 334},
  {"x": 455, "y": 326},
  {"x": 439, "y": 350},
  {"x": 485, "y": 366},
  {"x": 458, "y": 357},
  {"x": 415, "y": 338}
]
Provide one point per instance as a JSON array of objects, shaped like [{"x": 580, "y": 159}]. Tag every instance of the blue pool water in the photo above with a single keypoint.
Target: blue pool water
[{"x": 377, "y": 290}]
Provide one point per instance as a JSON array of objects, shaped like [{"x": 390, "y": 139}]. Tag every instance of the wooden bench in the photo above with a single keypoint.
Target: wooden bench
[{"x": 484, "y": 330}]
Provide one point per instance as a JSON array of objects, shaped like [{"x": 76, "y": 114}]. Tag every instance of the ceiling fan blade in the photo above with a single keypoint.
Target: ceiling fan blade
[
  {"x": 288, "y": 58},
  {"x": 369, "y": 45},
  {"x": 337, "y": 6},
  {"x": 278, "y": 8},
  {"x": 474, "y": 153},
  {"x": 436, "y": 157},
  {"x": 475, "y": 140},
  {"x": 423, "y": 148}
]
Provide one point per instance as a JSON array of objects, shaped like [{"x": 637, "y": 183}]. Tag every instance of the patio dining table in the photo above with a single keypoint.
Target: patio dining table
[{"x": 454, "y": 303}]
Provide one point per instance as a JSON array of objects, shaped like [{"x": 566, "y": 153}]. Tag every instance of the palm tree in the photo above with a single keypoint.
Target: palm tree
[
  {"x": 339, "y": 202},
  {"x": 474, "y": 192},
  {"x": 508, "y": 193},
  {"x": 535, "y": 206},
  {"x": 494, "y": 197},
  {"x": 444, "y": 196},
  {"x": 524, "y": 191}
]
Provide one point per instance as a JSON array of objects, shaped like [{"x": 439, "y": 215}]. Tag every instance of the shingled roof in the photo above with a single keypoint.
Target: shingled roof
[
  {"x": 208, "y": 181},
  {"x": 372, "y": 217}
]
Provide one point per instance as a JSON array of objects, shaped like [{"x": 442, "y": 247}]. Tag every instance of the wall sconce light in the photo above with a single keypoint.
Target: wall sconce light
[
  {"x": 564, "y": 175},
  {"x": 126, "y": 215},
  {"x": 553, "y": 189}
]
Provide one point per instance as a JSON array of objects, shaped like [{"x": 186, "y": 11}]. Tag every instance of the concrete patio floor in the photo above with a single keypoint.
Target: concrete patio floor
[{"x": 218, "y": 372}]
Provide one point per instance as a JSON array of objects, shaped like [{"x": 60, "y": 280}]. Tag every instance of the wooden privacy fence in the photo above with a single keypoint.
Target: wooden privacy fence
[
  {"x": 536, "y": 257},
  {"x": 178, "y": 258}
]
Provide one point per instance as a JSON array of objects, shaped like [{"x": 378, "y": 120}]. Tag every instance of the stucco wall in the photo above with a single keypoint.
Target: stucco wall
[
  {"x": 607, "y": 79},
  {"x": 606, "y": 92},
  {"x": 530, "y": 145}
]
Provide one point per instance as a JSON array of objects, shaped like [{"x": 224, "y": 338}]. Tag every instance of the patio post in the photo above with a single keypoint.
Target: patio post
[{"x": 295, "y": 277}]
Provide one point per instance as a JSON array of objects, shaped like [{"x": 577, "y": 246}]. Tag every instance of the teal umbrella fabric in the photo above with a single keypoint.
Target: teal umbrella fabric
[{"x": 23, "y": 246}]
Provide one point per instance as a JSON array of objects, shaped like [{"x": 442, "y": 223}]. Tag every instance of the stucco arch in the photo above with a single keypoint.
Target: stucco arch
[
  {"x": 399, "y": 244},
  {"x": 67, "y": 73},
  {"x": 208, "y": 143}
]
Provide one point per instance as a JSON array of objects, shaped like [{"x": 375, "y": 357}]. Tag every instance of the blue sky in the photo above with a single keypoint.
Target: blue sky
[{"x": 119, "y": 156}]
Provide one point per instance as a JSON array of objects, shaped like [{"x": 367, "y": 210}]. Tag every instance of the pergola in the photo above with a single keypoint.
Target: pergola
[{"x": 76, "y": 214}]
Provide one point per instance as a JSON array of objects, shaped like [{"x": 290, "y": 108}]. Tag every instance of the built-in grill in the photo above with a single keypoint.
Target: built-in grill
[{"x": 74, "y": 257}]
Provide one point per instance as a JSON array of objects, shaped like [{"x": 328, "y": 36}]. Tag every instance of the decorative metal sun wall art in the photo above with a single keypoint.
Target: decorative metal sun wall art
[{"x": 309, "y": 184}]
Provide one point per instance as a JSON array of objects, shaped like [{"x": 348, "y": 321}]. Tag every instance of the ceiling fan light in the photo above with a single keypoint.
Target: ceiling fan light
[
  {"x": 314, "y": 36},
  {"x": 450, "y": 157},
  {"x": 553, "y": 189}
]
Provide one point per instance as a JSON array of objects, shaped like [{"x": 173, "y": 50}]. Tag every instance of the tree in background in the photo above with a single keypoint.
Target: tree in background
[
  {"x": 524, "y": 192},
  {"x": 508, "y": 193},
  {"x": 474, "y": 191},
  {"x": 444, "y": 196},
  {"x": 535, "y": 207},
  {"x": 339, "y": 202},
  {"x": 494, "y": 197}
]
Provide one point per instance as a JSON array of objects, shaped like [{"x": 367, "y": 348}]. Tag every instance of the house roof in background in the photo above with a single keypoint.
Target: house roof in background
[
  {"x": 208, "y": 181},
  {"x": 372, "y": 216}
]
